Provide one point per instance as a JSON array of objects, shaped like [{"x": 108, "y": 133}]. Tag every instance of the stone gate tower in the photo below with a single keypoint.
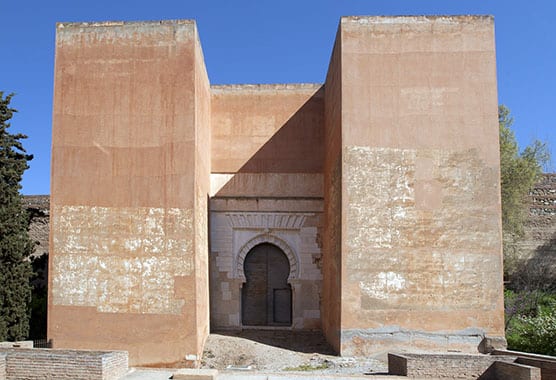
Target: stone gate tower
[{"x": 367, "y": 206}]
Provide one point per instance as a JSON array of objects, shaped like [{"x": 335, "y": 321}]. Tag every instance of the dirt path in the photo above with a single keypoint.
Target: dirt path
[{"x": 278, "y": 350}]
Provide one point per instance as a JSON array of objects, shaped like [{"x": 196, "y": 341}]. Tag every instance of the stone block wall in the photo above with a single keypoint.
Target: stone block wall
[
  {"x": 446, "y": 366},
  {"x": 515, "y": 371},
  {"x": 37, "y": 364},
  {"x": 547, "y": 364},
  {"x": 3, "y": 365},
  {"x": 38, "y": 207},
  {"x": 538, "y": 245}
]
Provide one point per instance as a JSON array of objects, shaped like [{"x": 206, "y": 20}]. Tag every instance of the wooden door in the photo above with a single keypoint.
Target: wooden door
[{"x": 266, "y": 296}]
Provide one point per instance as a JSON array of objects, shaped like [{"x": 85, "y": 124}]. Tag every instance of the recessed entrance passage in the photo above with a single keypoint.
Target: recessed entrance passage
[{"x": 266, "y": 297}]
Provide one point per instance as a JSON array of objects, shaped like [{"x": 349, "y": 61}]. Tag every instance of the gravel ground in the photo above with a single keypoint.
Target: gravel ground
[{"x": 279, "y": 350}]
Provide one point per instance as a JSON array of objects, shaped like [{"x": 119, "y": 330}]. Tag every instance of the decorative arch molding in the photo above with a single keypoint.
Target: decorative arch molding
[
  {"x": 277, "y": 220},
  {"x": 271, "y": 239}
]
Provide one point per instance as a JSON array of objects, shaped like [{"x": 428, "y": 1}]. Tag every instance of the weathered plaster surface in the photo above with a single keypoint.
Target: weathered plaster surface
[
  {"x": 126, "y": 33},
  {"x": 421, "y": 236},
  {"x": 130, "y": 182},
  {"x": 420, "y": 203},
  {"x": 267, "y": 129},
  {"x": 381, "y": 187},
  {"x": 121, "y": 260}
]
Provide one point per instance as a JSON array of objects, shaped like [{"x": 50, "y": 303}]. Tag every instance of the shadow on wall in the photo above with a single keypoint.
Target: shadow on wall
[{"x": 297, "y": 147}]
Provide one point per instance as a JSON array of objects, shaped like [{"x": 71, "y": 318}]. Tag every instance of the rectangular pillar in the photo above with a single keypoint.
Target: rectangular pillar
[
  {"x": 421, "y": 260},
  {"x": 130, "y": 178}
]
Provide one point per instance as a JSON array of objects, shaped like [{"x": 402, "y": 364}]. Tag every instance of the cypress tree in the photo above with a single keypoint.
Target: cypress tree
[{"x": 15, "y": 245}]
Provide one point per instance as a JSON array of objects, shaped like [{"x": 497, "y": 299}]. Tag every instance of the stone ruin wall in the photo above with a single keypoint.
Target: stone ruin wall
[
  {"x": 38, "y": 207},
  {"x": 541, "y": 224},
  {"x": 538, "y": 245}
]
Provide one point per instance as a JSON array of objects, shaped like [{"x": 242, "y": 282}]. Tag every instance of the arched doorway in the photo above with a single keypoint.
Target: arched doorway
[{"x": 266, "y": 296}]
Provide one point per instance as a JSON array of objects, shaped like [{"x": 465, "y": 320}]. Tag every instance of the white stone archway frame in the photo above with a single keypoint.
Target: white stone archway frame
[{"x": 270, "y": 239}]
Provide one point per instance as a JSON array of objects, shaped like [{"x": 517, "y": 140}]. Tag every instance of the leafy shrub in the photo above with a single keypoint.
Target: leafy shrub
[{"x": 532, "y": 330}]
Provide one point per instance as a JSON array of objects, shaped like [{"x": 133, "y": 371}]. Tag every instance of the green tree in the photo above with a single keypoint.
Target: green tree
[
  {"x": 518, "y": 173},
  {"x": 15, "y": 245}
]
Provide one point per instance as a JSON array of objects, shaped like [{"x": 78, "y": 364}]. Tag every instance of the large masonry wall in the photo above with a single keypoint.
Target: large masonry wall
[
  {"x": 267, "y": 188},
  {"x": 420, "y": 177},
  {"x": 129, "y": 188},
  {"x": 381, "y": 188},
  {"x": 35, "y": 364}
]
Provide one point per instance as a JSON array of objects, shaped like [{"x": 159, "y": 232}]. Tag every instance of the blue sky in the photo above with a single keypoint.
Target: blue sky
[{"x": 261, "y": 41}]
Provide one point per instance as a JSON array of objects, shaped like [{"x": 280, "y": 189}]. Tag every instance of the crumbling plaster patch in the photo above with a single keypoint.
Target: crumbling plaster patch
[
  {"x": 406, "y": 251},
  {"x": 121, "y": 259}
]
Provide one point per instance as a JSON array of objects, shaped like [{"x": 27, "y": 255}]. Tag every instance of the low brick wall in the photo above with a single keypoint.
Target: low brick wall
[
  {"x": 34, "y": 364},
  {"x": 548, "y": 368},
  {"x": 515, "y": 371},
  {"x": 547, "y": 364},
  {"x": 442, "y": 366},
  {"x": 2, "y": 366}
]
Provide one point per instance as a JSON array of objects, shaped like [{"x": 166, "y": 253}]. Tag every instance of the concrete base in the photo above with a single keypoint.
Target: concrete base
[
  {"x": 195, "y": 374},
  {"x": 515, "y": 371},
  {"x": 19, "y": 344}
]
